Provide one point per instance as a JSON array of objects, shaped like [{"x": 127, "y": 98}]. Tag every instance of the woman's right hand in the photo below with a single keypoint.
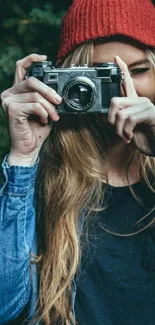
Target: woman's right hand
[{"x": 30, "y": 107}]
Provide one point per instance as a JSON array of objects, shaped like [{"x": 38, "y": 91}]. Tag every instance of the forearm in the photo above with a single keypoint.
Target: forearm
[{"x": 17, "y": 230}]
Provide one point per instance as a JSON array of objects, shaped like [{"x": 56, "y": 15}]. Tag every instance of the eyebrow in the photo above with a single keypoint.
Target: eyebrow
[
  {"x": 131, "y": 65},
  {"x": 138, "y": 63}
]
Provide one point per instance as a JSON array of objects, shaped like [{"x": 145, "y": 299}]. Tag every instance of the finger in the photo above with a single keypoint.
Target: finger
[
  {"x": 123, "y": 94},
  {"x": 121, "y": 103},
  {"x": 138, "y": 118},
  {"x": 129, "y": 126},
  {"x": 134, "y": 110},
  {"x": 28, "y": 60},
  {"x": 28, "y": 109},
  {"x": 128, "y": 115},
  {"x": 123, "y": 115},
  {"x": 19, "y": 74},
  {"x": 120, "y": 121},
  {"x": 33, "y": 108},
  {"x": 25, "y": 63},
  {"x": 128, "y": 84},
  {"x": 32, "y": 97},
  {"x": 33, "y": 84}
]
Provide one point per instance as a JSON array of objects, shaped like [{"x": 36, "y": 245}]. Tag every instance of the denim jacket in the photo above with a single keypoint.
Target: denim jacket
[{"x": 18, "y": 279}]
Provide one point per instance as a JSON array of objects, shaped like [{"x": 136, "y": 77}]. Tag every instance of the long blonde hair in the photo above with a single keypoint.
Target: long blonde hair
[{"x": 73, "y": 165}]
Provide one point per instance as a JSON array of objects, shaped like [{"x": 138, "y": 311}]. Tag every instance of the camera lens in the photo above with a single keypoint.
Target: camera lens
[{"x": 79, "y": 94}]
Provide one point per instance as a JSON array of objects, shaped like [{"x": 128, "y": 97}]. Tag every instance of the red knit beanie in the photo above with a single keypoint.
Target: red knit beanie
[{"x": 92, "y": 19}]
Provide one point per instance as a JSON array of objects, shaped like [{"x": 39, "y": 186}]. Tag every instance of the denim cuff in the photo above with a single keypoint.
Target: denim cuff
[{"x": 19, "y": 180}]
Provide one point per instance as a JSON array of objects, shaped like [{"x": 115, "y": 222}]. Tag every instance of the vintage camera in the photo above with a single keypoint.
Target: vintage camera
[{"x": 83, "y": 89}]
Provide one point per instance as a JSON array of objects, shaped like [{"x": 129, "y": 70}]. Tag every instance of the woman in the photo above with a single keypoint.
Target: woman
[{"x": 95, "y": 188}]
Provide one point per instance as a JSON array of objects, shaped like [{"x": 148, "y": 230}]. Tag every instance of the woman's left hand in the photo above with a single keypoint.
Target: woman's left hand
[{"x": 133, "y": 116}]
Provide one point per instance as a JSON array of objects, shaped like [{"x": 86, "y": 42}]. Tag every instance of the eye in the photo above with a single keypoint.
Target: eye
[{"x": 139, "y": 71}]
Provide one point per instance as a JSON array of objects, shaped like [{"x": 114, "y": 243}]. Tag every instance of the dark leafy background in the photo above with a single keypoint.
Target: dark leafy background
[{"x": 26, "y": 27}]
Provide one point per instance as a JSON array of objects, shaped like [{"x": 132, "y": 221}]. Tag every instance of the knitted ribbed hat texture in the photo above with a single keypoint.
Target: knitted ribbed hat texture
[{"x": 91, "y": 19}]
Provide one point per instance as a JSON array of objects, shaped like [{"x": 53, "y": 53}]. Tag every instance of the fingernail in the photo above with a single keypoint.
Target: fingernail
[
  {"x": 127, "y": 141},
  {"x": 56, "y": 116},
  {"x": 44, "y": 121},
  {"x": 58, "y": 98}
]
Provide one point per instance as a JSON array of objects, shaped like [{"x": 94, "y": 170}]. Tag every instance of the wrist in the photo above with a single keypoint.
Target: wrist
[{"x": 21, "y": 159}]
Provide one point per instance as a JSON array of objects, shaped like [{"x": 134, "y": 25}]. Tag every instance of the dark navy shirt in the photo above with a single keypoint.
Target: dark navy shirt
[{"x": 116, "y": 282}]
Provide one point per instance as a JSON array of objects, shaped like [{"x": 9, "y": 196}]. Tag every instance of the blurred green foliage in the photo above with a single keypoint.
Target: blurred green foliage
[{"x": 26, "y": 27}]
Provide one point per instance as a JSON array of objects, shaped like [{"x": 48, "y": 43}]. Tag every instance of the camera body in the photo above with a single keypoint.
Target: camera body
[{"x": 83, "y": 89}]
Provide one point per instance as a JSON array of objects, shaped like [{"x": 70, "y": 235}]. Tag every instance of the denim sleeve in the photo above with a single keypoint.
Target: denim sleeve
[{"x": 17, "y": 231}]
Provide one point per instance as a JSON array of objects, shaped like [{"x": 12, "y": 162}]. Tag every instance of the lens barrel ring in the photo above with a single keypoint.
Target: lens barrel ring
[{"x": 70, "y": 87}]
